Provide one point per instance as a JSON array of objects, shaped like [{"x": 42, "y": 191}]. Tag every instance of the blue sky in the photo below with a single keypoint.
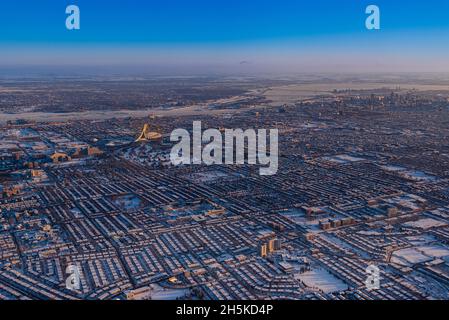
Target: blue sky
[{"x": 265, "y": 33}]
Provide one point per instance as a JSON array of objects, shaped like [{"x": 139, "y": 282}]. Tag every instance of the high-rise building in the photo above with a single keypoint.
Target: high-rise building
[
  {"x": 277, "y": 244},
  {"x": 263, "y": 250},
  {"x": 271, "y": 246}
]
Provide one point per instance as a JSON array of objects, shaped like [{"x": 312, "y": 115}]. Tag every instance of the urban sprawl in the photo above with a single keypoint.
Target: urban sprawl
[{"x": 362, "y": 181}]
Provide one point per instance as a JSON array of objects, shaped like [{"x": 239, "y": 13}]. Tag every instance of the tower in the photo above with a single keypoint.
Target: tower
[{"x": 147, "y": 135}]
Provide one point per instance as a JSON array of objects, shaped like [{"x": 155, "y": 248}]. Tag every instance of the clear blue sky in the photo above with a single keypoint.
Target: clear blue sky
[{"x": 262, "y": 32}]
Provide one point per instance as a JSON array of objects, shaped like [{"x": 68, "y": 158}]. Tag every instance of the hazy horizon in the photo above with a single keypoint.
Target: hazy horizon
[{"x": 232, "y": 37}]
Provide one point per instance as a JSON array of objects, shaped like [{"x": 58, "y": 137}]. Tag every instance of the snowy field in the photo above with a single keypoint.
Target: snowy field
[
  {"x": 412, "y": 256},
  {"x": 425, "y": 224},
  {"x": 128, "y": 202},
  {"x": 322, "y": 280}
]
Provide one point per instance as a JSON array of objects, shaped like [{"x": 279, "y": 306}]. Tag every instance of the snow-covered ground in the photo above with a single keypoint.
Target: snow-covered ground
[
  {"x": 417, "y": 175},
  {"x": 128, "y": 202},
  {"x": 425, "y": 223},
  {"x": 156, "y": 292},
  {"x": 168, "y": 294},
  {"x": 411, "y": 256},
  {"x": 322, "y": 280},
  {"x": 343, "y": 158},
  {"x": 434, "y": 251}
]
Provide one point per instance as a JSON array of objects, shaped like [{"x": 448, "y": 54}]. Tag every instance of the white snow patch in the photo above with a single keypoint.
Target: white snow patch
[
  {"x": 426, "y": 223},
  {"x": 322, "y": 280}
]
